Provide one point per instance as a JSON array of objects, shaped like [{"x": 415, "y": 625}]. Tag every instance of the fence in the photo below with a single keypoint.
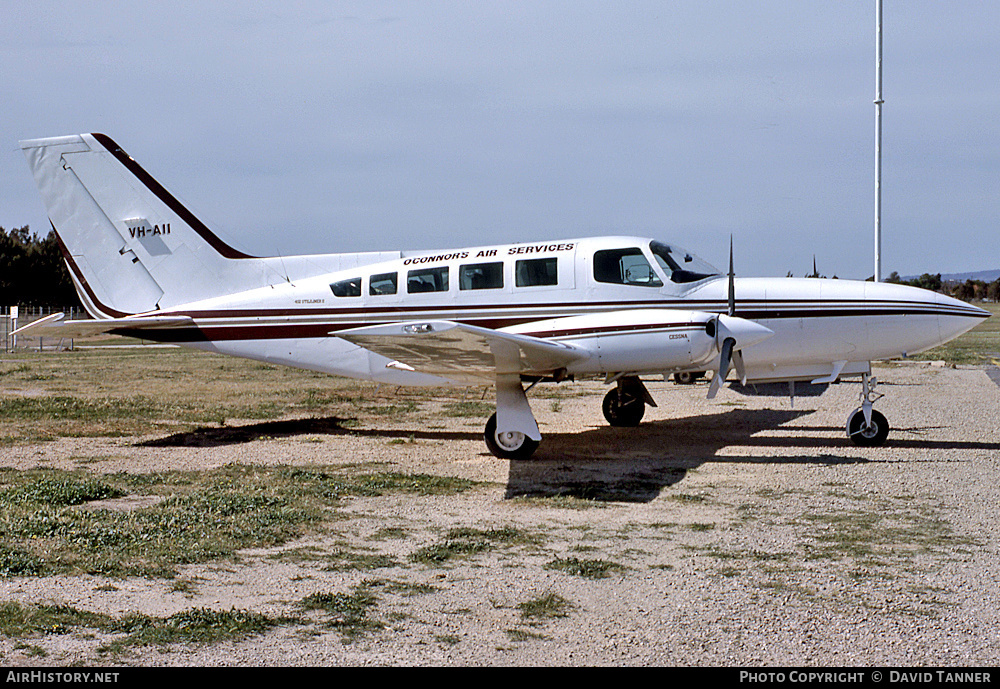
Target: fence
[{"x": 26, "y": 315}]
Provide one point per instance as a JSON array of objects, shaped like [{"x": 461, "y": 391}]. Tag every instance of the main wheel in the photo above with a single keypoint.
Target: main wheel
[
  {"x": 509, "y": 445},
  {"x": 688, "y": 377},
  {"x": 623, "y": 409},
  {"x": 868, "y": 435}
]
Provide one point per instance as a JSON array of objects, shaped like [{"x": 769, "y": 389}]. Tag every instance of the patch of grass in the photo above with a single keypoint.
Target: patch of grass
[
  {"x": 687, "y": 497},
  {"x": 546, "y": 607},
  {"x": 19, "y": 368},
  {"x": 396, "y": 409},
  {"x": 589, "y": 569},
  {"x": 20, "y": 621},
  {"x": 204, "y": 516},
  {"x": 58, "y": 491},
  {"x": 521, "y": 635},
  {"x": 886, "y": 534},
  {"x": 16, "y": 562},
  {"x": 569, "y": 502},
  {"x": 700, "y": 526},
  {"x": 195, "y": 625},
  {"x": 347, "y": 613},
  {"x": 467, "y": 542},
  {"x": 344, "y": 560},
  {"x": 76, "y": 408},
  {"x": 469, "y": 409}
]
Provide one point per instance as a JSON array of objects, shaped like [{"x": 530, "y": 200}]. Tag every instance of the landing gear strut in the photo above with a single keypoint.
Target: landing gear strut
[
  {"x": 626, "y": 404},
  {"x": 866, "y": 427}
]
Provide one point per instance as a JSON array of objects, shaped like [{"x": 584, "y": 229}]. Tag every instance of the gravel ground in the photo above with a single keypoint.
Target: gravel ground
[{"x": 740, "y": 531}]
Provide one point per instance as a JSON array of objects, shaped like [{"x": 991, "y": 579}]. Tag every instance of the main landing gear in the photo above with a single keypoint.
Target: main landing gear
[
  {"x": 688, "y": 377},
  {"x": 512, "y": 432},
  {"x": 510, "y": 444},
  {"x": 867, "y": 427},
  {"x": 626, "y": 404}
]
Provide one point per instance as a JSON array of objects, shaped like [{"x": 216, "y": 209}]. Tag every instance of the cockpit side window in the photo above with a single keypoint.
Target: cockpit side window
[
  {"x": 680, "y": 265},
  {"x": 624, "y": 267}
]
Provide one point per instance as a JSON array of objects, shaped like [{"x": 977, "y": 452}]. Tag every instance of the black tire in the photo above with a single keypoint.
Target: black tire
[
  {"x": 684, "y": 378},
  {"x": 622, "y": 409},
  {"x": 870, "y": 436},
  {"x": 513, "y": 446}
]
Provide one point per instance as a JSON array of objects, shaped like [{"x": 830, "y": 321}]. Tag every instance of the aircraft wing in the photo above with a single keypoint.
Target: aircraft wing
[
  {"x": 55, "y": 326},
  {"x": 462, "y": 352}
]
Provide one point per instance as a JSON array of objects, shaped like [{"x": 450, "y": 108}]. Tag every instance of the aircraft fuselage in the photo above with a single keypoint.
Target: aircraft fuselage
[{"x": 816, "y": 322}]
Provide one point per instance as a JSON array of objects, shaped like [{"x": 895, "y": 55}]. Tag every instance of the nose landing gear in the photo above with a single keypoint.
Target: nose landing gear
[{"x": 867, "y": 427}]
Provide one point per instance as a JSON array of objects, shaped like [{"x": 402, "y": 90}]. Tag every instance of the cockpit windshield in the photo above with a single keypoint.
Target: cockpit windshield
[{"x": 680, "y": 265}]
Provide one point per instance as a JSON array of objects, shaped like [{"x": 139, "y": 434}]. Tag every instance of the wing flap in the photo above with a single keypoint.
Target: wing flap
[{"x": 462, "y": 352}]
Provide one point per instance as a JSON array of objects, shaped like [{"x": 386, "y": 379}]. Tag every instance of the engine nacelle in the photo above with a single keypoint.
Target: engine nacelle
[{"x": 635, "y": 340}]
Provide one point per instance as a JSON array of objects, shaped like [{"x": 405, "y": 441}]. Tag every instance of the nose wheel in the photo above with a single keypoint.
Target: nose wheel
[{"x": 867, "y": 427}]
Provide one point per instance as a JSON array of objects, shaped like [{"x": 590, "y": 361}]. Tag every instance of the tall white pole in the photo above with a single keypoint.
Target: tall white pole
[{"x": 878, "y": 140}]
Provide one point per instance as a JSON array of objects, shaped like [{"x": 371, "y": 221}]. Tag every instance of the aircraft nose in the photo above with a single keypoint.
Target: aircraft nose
[{"x": 957, "y": 317}]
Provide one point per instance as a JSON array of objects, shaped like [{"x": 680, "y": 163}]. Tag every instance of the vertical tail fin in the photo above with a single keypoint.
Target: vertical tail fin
[{"x": 131, "y": 246}]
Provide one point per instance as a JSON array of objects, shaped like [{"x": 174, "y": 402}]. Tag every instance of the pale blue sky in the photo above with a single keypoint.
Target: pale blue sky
[{"x": 301, "y": 127}]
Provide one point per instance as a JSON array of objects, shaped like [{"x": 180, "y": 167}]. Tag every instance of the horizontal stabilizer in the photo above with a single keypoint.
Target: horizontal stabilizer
[
  {"x": 462, "y": 352},
  {"x": 55, "y": 326}
]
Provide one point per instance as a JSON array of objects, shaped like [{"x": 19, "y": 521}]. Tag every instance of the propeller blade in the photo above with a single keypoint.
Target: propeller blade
[
  {"x": 740, "y": 369},
  {"x": 725, "y": 363}
]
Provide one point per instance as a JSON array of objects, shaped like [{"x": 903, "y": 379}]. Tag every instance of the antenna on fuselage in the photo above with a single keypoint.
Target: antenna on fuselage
[{"x": 732, "y": 280}]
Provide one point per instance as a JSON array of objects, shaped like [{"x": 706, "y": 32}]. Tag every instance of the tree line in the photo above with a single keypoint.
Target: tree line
[
  {"x": 32, "y": 271},
  {"x": 970, "y": 290}
]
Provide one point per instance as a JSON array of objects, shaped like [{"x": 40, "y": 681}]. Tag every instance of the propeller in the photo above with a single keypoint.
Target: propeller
[{"x": 734, "y": 333}]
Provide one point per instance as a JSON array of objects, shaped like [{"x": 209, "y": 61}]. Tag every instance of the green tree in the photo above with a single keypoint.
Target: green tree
[{"x": 32, "y": 270}]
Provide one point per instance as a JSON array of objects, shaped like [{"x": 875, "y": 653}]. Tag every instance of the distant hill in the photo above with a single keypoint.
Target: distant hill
[{"x": 984, "y": 275}]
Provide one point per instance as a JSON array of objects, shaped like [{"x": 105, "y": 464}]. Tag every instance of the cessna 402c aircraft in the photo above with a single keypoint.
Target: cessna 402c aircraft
[{"x": 621, "y": 308}]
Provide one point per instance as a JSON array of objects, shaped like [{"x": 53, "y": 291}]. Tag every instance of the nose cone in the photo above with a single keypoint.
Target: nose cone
[
  {"x": 957, "y": 317},
  {"x": 745, "y": 332},
  {"x": 917, "y": 319}
]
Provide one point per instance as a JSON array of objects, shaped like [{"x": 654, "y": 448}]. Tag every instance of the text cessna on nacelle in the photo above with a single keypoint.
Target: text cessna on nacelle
[{"x": 621, "y": 308}]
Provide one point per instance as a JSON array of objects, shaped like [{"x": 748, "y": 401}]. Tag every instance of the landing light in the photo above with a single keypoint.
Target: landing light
[{"x": 418, "y": 328}]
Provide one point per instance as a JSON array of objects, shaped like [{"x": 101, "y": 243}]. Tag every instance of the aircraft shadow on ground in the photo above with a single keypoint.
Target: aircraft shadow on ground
[
  {"x": 331, "y": 425},
  {"x": 636, "y": 464},
  {"x": 614, "y": 464}
]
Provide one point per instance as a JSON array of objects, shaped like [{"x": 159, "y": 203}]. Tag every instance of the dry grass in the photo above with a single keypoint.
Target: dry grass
[{"x": 109, "y": 391}]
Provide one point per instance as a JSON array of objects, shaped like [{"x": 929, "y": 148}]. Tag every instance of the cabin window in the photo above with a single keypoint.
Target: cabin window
[
  {"x": 427, "y": 280},
  {"x": 347, "y": 288},
  {"x": 535, "y": 272},
  {"x": 481, "y": 276},
  {"x": 383, "y": 283},
  {"x": 624, "y": 267}
]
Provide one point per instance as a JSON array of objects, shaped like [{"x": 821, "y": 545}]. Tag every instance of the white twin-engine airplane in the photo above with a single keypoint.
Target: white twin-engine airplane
[{"x": 621, "y": 308}]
